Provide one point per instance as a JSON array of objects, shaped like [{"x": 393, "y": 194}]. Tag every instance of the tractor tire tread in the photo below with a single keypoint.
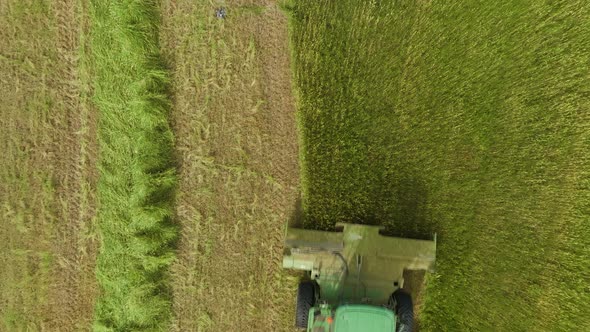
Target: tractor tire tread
[
  {"x": 404, "y": 310},
  {"x": 305, "y": 301}
]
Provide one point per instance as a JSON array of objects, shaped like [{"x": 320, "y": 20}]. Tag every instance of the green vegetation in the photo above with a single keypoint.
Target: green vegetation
[
  {"x": 462, "y": 118},
  {"x": 469, "y": 119},
  {"x": 136, "y": 183}
]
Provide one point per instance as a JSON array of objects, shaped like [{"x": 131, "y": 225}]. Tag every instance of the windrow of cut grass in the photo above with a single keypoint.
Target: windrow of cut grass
[{"x": 137, "y": 178}]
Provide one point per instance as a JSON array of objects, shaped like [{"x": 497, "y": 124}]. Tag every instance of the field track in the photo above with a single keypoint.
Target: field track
[
  {"x": 233, "y": 116},
  {"x": 48, "y": 173}
]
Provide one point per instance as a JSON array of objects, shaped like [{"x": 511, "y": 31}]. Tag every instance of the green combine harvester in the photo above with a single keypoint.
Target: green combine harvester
[{"x": 355, "y": 278}]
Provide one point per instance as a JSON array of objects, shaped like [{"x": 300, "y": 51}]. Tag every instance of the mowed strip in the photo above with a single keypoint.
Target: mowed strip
[
  {"x": 136, "y": 184},
  {"x": 469, "y": 120},
  {"x": 236, "y": 141},
  {"x": 47, "y": 168}
]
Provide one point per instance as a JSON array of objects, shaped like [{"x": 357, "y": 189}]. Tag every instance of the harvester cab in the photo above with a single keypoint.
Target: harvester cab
[{"x": 355, "y": 278}]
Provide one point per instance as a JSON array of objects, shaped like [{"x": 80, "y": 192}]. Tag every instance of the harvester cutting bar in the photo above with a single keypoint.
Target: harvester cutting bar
[{"x": 356, "y": 262}]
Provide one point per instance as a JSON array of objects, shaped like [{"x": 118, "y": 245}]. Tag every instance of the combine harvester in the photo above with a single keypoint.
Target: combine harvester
[{"x": 355, "y": 278}]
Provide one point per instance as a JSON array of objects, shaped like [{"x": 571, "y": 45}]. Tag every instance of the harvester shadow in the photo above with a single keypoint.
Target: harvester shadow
[
  {"x": 402, "y": 208},
  {"x": 399, "y": 204},
  {"x": 296, "y": 219}
]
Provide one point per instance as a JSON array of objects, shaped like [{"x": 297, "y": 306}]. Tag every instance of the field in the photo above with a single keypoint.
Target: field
[
  {"x": 469, "y": 121},
  {"x": 153, "y": 153},
  {"x": 234, "y": 120},
  {"x": 47, "y": 168},
  {"x": 77, "y": 127}
]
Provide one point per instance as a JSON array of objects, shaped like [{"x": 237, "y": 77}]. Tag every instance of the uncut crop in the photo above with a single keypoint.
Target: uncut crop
[{"x": 469, "y": 119}]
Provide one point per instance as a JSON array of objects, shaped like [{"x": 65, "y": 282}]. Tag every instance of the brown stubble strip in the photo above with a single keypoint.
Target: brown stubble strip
[
  {"x": 49, "y": 174},
  {"x": 234, "y": 123},
  {"x": 18, "y": 254},
  {"x": 73, "y": 289}
]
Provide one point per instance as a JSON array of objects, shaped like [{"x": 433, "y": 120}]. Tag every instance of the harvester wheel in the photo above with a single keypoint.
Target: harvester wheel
[
  {"x": 404, "y": 310},
  {"x": 305, "y": 301}
]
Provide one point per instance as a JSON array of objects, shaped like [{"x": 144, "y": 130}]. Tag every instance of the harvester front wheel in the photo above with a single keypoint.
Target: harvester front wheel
[
  {"x": 305, "y": 301},
  {"x": 404, "y": 310}
]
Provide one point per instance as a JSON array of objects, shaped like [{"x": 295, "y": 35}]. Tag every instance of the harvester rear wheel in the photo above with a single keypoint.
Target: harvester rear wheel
[
  {"x": 305, "y": 301},
  {"x": 404, "y": 310}
]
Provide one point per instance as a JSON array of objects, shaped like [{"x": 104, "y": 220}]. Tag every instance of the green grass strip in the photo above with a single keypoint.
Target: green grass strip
[{"x": 136, "y": 174}]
